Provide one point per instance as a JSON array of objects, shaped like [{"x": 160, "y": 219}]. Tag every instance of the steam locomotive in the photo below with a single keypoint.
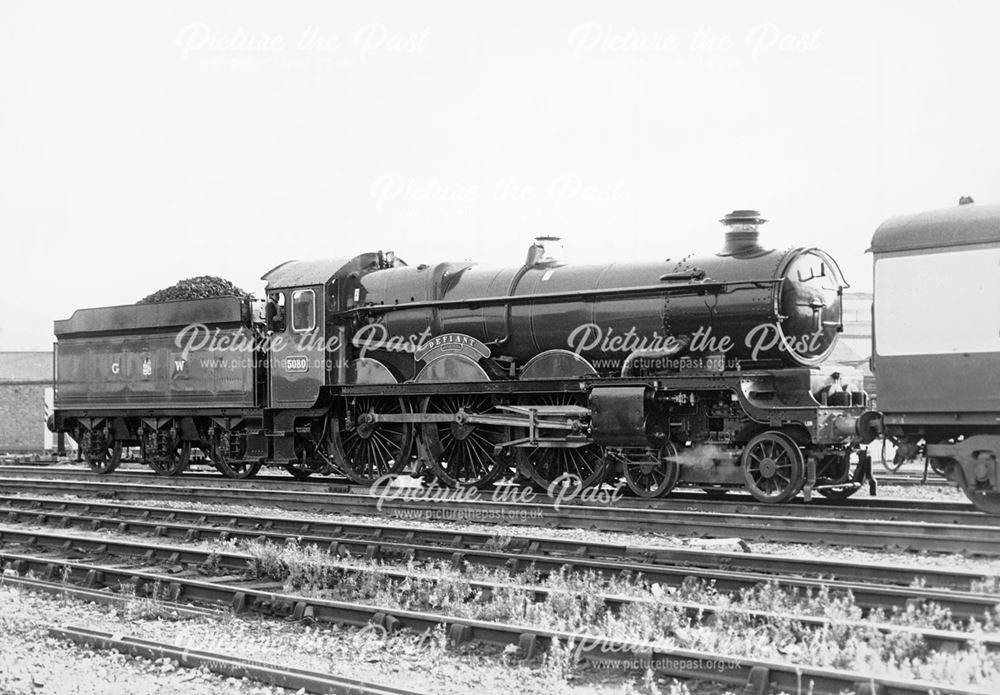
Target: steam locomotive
[{"x": 705, "y": 372}]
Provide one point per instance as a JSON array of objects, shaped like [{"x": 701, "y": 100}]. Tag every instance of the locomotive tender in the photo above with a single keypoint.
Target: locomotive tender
[{"x": 699, "y": 371}]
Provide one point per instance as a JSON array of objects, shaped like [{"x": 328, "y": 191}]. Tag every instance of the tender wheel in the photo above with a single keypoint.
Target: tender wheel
[
  {"x": 773, "y": 467},
  {"x": 240, "y": 469},
  {"x": 366, "y": 450},
  {"x": 228, "y": 453},
  {"x": 101, "y": 455},
  {"x": 170, "y": 461},
  {"x": 462, "y": 453},
  {"x": 651, "y": 473}
]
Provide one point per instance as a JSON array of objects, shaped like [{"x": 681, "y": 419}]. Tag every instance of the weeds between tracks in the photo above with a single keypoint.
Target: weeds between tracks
[
  {"x": 575, "y": 603},
  {"x": 424, "y": 659}
]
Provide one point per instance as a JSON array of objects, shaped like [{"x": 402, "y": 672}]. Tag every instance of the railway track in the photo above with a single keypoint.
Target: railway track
[
  {"x": 965, "y": 604},
  {"x": 930, "y": 529},
  {"x": 376, "y": 540},
  {"x": 912, "y": 479},
  {"x": 207, "y": 472},
  {"x": 226, "y": 664},
  {"x": 209, "y": 577},
  {"x": 335, "y": 484},
  {"x": 653, "y": 565}
]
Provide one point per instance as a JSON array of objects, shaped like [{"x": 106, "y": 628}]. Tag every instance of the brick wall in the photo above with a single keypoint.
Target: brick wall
[
  {"x": 22, "y": 417},
  {"x": 24, "y": 377}
]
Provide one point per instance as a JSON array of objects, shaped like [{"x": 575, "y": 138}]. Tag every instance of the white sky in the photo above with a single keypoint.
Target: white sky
[{"x": 145, "y": 142}]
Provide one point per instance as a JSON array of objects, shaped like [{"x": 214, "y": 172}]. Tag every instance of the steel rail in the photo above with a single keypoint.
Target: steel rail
[
  {"x": 97, "y": 596},
  {"x": 967, "y": 606},
  {"x": 210, "y": 476},
  {"x": 912, "y": 480},
  {"x": 855, "y": 507},
  {"x": 390, "y": 540},
  {"x": 758, "y": 675},
  {"x": 226, "y": 664},
  {"x": 773, "y": 527}
]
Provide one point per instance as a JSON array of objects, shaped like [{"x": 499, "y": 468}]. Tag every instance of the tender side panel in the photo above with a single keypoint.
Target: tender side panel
[{"x": 151, "y": 371}]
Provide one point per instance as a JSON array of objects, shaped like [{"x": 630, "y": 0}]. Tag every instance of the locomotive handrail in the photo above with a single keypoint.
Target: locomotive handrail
[
  {"x": 698, "y": 274},
  {"x": 693, "y": 288}
]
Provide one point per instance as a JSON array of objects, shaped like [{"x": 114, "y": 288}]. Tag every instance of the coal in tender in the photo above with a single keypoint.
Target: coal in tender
[{"x": 201, "y": 287}]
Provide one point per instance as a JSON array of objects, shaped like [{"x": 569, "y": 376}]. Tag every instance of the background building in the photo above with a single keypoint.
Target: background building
[
  {"x": 25, "y": 402},
  {"x": 856, "y": 340},
  {"x": 857, "y": 333}
]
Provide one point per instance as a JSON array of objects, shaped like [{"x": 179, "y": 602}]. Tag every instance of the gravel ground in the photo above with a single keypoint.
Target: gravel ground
[
  {"x": 921, "y": 493},
  {"x": 919, "y": 560},
  {"x": 32, "y": 662}
]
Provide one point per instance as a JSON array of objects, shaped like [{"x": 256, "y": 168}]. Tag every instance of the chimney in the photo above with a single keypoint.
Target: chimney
[{"x": 742, "y": 235}]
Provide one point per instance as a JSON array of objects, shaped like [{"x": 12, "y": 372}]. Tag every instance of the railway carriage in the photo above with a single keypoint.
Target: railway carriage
[
  {"x": 937, "y": 343},
  {"x": 697, "y": 371}
]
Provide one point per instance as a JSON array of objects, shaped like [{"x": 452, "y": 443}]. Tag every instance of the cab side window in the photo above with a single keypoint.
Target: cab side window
[
  {"x": 276, "y": 312},
  {"x": 303, "y": 310}
]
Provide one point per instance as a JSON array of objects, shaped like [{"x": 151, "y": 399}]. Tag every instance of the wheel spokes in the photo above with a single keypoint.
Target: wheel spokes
[
  {"x": 464, "y": 454},
  {"x": 369, "y": 450},
  {"x": 773, "y": 467},
  {"x": 545, "y": 465}
]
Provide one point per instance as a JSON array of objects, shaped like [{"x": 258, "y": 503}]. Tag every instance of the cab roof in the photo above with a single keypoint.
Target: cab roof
[
  {"x": 303, "y": 273},
  {"x": 957, "y": 226},
  {"x": 299, "y": 273}
]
